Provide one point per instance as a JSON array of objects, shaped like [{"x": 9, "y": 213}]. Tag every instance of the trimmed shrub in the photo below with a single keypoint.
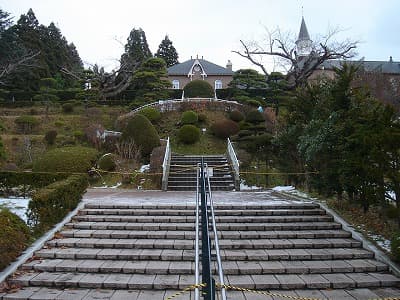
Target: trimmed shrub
[
  {"x": 236, "y": 116},
  {"x": 14, "y": 237},
  {"x": 189, "y": 134},
  {"x": 202, "y": 118},
  {"x": 189, "y": 117},
  {"x": 143, "y": 133},
  {"x": 68, "y": 108},
  {"x": 50, "y": 137},
  {"x": 225, "y": 128},
  {"x": 52, "y": 203},
  {"x": 254, "y": 117},
  {"x": 198, "y": 89},
  {"x": 254, "y": 103},
  {"x": 26, "y": 124},
  {"x": 66, "y": 159},
  {"x": 395, "y": 246},
  {"x": 151, "y": 113},
  {"x": 107, "y": 162}
]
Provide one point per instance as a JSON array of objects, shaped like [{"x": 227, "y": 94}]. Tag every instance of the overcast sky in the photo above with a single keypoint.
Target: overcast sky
[{"x": 212, "y": 28}]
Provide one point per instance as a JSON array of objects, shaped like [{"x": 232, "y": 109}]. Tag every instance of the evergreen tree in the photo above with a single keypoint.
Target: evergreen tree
[
  {"x": 5, "y": 21},
  {"x": 136, "y": 49},
  {"x": 246, "y": 79},
  {"x": 167, "y": 52}
]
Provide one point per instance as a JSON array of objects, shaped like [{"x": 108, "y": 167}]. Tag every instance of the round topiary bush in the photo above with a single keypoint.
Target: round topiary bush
[
  {"x": 189, "y": 134},
  {"x": 142, "y": 132},
  {"x": 151, "y": 113},
  {"x": 236, "y": 116},
  {"x": 254, "y": 117},
  {"x": 66, "y": 159},
  {"x": 254, "y": 103},
  {"x": 107, "y": 162},
  {"x": 198, "y": 89},
  {"x": 14, "y": 237},
  {"x": 225, "y": 128},
  {"x": 68, "y": 108},
  {"x": 189, "y": 117}
]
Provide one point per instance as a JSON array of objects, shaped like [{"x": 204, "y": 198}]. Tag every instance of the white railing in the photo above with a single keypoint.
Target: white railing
[
  {"x": 166, "y": 163},
  {"x": 235, "y": 164}
]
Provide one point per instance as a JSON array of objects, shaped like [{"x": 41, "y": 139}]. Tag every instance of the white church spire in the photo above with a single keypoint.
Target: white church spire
[{"x": 303, "y": 43}]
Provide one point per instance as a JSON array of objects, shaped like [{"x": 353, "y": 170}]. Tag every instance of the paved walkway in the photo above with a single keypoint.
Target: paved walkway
[{"x": 139, "y": 245}]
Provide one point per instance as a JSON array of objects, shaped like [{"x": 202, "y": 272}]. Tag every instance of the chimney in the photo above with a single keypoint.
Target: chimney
[
  {"x": 390, "y": 59},
  {"x": 229, "y": 65}
]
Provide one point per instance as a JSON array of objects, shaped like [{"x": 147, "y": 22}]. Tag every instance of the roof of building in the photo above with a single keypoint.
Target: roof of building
[
  {"x": 303, "y": 34},
  {"x": 387, "y": 67},
  {"x": 208, "y": 67}
]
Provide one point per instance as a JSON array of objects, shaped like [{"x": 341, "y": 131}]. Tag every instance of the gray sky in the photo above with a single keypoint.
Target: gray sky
[{"x": 212, "y": 28}]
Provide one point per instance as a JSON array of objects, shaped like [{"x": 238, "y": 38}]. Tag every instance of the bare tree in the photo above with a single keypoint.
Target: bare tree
[
  {"x": 128, "y": 149},
  {"x": 11, "y": 65},
  {"x": 281, "y": 47}
]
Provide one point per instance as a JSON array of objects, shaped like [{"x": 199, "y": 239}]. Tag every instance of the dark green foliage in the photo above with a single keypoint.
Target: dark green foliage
[
  {"x": 198, "y": 89},
  {"x": 50, "y": 137},
  {"x": 254, "y": 117},
  {"x": 202, "y": 117},
  {"x": 246, "y": 79},
  {"x": 395, "y": 247},
  {"x": 189, "y": 134},
  {"x": 253, "y": 103},
  {"x": 107, "y": 162},
  {"x": 143, "y": 133},
  {"x": 68, "y": 108},
  {"x": 149, "y": 80},
  {"x": 136, "y": 49},
  {"x": 167, "y": 52},
  {"x": 236, "y": 116},
  {"x": 26, "y": 124},
  {"x": 151, "y": 113},
  {"x": 189, "y": 117},
  {"x": 225, "y": 128},
  {"x": 14, "y": 237},
  {"x": 66, "y": 159},
  {"x": 51, "y": 204}
]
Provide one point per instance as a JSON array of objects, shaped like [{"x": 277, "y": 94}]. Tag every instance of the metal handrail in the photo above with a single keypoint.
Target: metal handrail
[
  {"x": 197, "y": 273},
  {"x": 204, "y": 198},
  {"x": 165, "y": 165},
  {"x": 235, "y": 163},
  {"x": 217, "y": 252}
]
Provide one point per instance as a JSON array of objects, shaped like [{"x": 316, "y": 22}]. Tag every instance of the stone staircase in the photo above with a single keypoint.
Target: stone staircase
[
  {"x": 146, "y": 251},
  {"x": 182, "y": 175}
]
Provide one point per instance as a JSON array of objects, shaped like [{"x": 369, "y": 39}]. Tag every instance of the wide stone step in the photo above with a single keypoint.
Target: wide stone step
[
  {"x": 226, "y": 255},
  {"x": 192, "y": 212},
  {"x": 190, "y": 226},
  {"x": 171, "y": 281},
  {"x": 219, "y": 219},
  {"x": 182, "y": 188},
  {"x": 150, "y": 207},
  {"x": 187, "y": 267},
  {"x": 128, "y": 243},
  {"x": 190, "y": 235}
]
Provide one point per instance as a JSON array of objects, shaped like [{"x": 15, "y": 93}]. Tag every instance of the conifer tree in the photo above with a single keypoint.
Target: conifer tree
[
  {"x": 167, "y": 52},
  {"x": 136, "y": 49}
]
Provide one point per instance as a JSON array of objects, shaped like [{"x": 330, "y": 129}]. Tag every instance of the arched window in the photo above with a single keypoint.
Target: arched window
[
  {"x": 218, "y": 84},
  {"x": 175, "y": 84}
]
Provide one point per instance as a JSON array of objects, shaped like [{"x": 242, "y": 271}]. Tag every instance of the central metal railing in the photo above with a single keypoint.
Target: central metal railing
[{"x": 205, "y": 212}]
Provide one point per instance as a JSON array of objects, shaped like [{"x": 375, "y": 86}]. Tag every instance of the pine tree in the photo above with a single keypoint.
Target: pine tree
[
  {"x": 5, "y": 21},
  {"x": 167, "y": 52},
  {"x": 136, "y": 50}
]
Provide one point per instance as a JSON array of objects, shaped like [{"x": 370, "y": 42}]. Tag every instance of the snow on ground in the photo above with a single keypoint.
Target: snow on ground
[
  {"x": 17, "y": 205},
  {"x": 291, "y": 190},
  {"x": 108, "y": 187},
  {"x": 245, "y": 187},
  {"x": 144, "y": 168}
]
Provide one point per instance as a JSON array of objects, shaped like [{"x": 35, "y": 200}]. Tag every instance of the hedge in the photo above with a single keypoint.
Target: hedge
[
  {"x": 199, "y": 88},
  {"x": 15, "y": 236},
  {"x": 52, "y": 203}
]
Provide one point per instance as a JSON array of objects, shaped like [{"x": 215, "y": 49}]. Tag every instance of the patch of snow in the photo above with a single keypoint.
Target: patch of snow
[
  {"x": 245, "y": 187},
  {"x": 144, "y": 168},
  {"x": 381, "y": 241},
  {"x": 283, "y": 188},
  {"x": 17, "y": 205},
  {"x": 108, "y": 187}
]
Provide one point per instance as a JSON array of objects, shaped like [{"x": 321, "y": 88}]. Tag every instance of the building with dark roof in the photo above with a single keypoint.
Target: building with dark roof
[{"x": 199, "y": 68}]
